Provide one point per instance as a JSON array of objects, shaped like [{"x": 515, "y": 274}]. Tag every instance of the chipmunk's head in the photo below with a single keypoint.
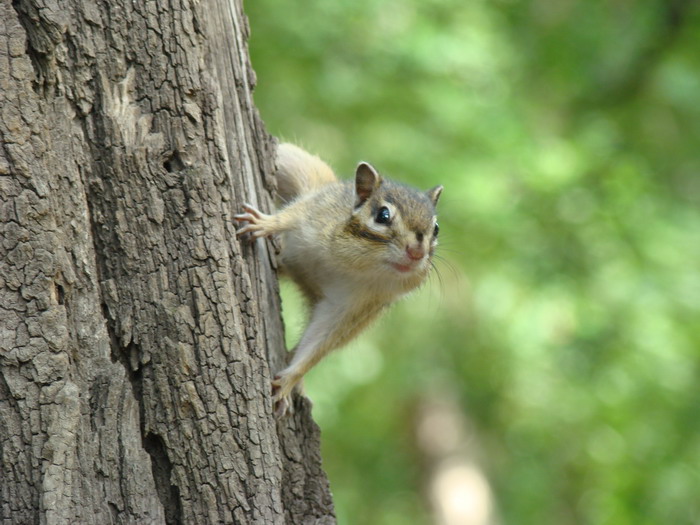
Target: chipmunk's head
[{"x": 396, "y": 224}]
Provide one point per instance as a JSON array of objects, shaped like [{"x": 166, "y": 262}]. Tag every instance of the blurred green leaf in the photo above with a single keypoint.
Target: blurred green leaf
[{"x": 565, "y": 315}]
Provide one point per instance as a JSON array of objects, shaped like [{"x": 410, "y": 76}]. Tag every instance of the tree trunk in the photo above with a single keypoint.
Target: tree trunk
[{"x": 136, "y": 334}]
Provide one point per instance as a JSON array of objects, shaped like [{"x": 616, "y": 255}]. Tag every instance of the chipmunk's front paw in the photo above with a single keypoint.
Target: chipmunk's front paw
[{"x": 259, "y": 224}]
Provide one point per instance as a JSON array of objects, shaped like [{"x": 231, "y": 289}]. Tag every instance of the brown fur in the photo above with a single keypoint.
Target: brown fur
[{"x": 348, "y": 265}]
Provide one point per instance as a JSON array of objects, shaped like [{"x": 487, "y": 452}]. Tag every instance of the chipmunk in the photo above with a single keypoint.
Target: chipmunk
[{"x": 352, "y": 248}]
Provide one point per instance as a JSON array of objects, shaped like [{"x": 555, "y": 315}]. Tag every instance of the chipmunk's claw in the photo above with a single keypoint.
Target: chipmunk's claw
[
  {"x": 259, "y": 223},
  {"x": 281, "y": 401}
]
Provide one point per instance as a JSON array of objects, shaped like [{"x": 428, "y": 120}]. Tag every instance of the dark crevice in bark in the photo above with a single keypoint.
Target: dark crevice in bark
[
  {"x": 114, "y": 511},
  {"x": 168, "y": 493},
  {"x": 6, "y": 396},
  {"x": 98, "y": 394},
  {"x": 60, "y": 294},
  {"x": 117, "y": 353},
  {"x": 153, "y": 444},
  {"x": 174, "y": 162},
  {"x": 39, "y": 41},
  {"x": 161, "y": 466},
  {"x": 35, "y": 57}
]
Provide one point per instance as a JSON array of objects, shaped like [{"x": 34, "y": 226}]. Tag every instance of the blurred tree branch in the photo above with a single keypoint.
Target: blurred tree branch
[{"x": 627, "y": 83}]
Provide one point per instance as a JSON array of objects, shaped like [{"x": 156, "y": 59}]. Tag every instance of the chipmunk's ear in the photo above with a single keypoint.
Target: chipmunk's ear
[
  {"x": 434, "y": 194},
  {"x": 366, "y": 181}
]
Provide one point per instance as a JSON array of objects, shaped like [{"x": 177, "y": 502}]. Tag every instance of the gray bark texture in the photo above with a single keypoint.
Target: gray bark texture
[{"x": 137, "y": 335}]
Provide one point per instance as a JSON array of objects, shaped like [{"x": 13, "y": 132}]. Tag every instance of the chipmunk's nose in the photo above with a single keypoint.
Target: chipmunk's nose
[{"x": 415, "y": 252}]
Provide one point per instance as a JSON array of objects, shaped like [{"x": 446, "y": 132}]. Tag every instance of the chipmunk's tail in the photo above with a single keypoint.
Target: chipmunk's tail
[{"x": 300, "y": 172}]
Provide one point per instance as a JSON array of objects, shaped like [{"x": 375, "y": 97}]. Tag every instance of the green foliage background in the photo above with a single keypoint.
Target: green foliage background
[{"x": 566, "y": 317}]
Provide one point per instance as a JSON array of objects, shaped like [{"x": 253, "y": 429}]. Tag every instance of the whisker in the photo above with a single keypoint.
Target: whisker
[
  {"x": 451, "y": 250},
  {"x": 453, "y": 268},
  {"x": 441, "y": 283}
]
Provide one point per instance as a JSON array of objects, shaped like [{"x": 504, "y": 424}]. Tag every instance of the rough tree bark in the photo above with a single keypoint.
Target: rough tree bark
[{"x": 136, "y": 334}]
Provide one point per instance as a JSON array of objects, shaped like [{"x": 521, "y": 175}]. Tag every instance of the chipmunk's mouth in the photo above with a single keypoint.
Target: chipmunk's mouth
[
  {"x": 403, "y": 268},
  {"x": 408, "y": 266}
]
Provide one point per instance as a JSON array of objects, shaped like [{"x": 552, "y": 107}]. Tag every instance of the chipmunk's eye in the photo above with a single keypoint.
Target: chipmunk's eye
[
  {"x": 383, "y": 215},
  {"x": 436, "y": 230}
]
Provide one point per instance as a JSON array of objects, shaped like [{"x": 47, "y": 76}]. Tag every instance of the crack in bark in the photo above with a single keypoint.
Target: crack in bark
[
  {"x": 174, "y": 163},
  {"x": 168, "y": 493},
  {"x": 43, "y": 35}
]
